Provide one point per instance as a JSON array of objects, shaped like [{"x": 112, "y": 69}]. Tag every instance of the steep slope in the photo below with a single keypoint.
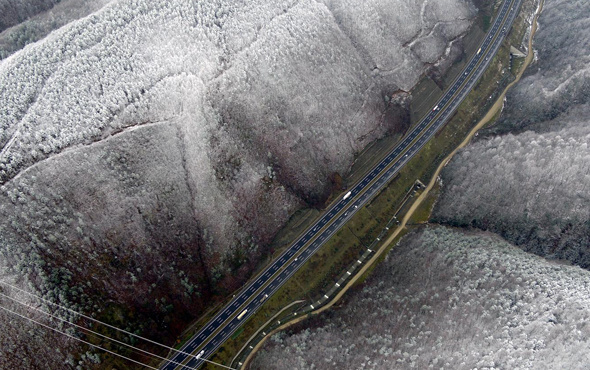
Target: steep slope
[
  {"x": 24, "y": 344},
  {"x": 449, "y": 299},
  {"x": 559, "y": 79},
  {"x": 150, "y": 151},
  {"x": 38, "y": 20},
  {"x": 532, "y": 187}
]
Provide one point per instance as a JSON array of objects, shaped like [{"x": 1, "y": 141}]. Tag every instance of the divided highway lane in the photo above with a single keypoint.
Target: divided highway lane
[{"x": 250, "y": 298}]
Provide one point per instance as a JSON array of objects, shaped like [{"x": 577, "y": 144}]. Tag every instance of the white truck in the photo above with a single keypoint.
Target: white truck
[
  {"x": 347, "y": 195},
  {"x": 241, "y": 316}
]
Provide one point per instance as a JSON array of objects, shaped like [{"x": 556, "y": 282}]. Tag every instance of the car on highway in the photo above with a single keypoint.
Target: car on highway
[{"x": 221, "y": 327}]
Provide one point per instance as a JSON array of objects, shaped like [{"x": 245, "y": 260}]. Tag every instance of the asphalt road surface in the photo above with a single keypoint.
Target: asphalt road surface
[{"x": 250, "y": 298}]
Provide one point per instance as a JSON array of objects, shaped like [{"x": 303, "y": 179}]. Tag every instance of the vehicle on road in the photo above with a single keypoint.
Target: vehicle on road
[
  {"x": 241, "y": 316},
  {"x": 200, "y": 354},
  {"x": 282, "y": 269}
]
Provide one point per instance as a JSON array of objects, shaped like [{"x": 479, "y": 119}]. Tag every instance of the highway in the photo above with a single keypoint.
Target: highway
[{"x": 265, "y": 284}]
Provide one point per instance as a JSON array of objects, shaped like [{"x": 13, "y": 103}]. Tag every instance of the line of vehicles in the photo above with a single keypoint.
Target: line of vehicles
[{"x": 211, "y": 336}]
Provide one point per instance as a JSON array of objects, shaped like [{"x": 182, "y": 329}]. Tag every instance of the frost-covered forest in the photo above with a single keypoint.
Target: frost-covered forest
[
  {"x": 558, "y": 80},
  {"x": 24, "y": 344},
  {"x": 533, "y": 186},
  {"x": 13, "y": 12},
  {"x": 39, "y": 18},
  {"x": 150, "y": 150},
  {"x": 454, "y": 300}
]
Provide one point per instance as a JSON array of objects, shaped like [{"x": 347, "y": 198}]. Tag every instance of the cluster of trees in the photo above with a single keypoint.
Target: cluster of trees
[
  {"x": 13, "y": 12},
  {"x": 150, "y": 151},
  {"x": 69, "y": 88},
  {"x": 100, "y": 230},
  {"x": 445, "y": 298},
  {"x": 26, "y": 344},
  {"x": 560, "y": 76},
  {"x": 39, "y": 26},
  {"x": 532, "y": 187}
]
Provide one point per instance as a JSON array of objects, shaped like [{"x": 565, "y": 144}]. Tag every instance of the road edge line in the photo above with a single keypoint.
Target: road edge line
[{"x": 384, "y": 246}]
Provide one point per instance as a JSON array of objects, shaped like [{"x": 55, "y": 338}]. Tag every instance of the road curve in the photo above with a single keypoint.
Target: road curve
[{"x": 251, "y": 297}]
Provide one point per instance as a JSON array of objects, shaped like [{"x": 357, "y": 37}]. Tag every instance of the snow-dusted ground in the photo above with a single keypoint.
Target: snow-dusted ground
[
  {"x": 450, "y": 299},
  {"x": 267, "y": 98},
  {"x": 559, "y": 79},
  {"x": 445, "y": 299},
  {"x": 533, "y": 187},
  {"x": 150, "y": 150}
]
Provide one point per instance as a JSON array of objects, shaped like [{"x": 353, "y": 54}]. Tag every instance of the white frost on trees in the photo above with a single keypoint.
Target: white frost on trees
[
  {"x": 153, "y": 138},
  {"x": 266, "y": 98},
  {"x": 559, "y": 78},
  {"x": 447, "y": 299},
  {"x": 70, "y": 88},
  {"x": 533, "y": 187}
]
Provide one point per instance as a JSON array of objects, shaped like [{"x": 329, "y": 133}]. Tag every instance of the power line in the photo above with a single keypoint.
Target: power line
[
  {"x": 94, "y": 320},
  {"x": 105, "y": 324},
  {"x": 91, "y": 331},
  {"x": 78, "y": 339}
]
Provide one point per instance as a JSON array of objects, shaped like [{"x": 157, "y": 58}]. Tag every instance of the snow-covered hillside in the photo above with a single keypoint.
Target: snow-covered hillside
[
  {"x": 533, "y": 187},
  {"x": 150, "y": 150},
  {"x": 454, "y": 300}
]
